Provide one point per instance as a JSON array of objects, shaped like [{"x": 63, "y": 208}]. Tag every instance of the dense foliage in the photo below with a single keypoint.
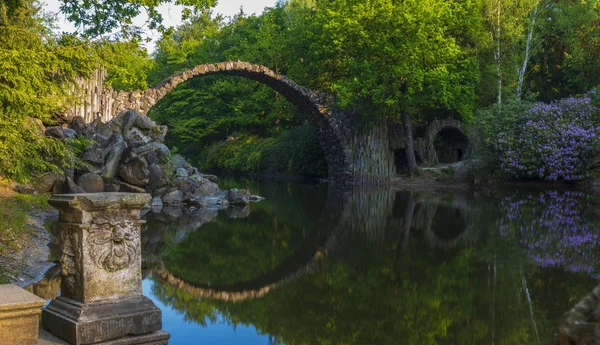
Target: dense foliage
[
  {"x": 36, "y": 70},
  {"x": 418, "y": 59}
]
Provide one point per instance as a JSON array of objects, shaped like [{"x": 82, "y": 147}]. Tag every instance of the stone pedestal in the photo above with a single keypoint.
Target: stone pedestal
[
  {"x": 101, "y": 298},
  {"x": 19, "y": 315}
]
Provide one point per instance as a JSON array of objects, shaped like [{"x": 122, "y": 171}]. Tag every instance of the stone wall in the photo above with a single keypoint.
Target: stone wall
[
  {"x": 371, "y": 155},
  {"x": 424, "y": 144},
  {"x": 97, "y": 100}
]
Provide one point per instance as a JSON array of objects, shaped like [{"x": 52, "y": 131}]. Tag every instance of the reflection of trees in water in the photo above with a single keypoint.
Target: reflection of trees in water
[{"x": 394, "y": 273}]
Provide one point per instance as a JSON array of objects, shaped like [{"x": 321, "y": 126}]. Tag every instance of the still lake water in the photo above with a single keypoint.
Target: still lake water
[{"x": 315, "y": 265}]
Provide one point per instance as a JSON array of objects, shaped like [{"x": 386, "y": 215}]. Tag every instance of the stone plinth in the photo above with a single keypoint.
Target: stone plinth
[
  {"x": 19, "y": 316},
  {"x": 101, "y": 298}
]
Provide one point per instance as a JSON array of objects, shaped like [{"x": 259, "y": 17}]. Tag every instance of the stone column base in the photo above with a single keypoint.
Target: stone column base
[
  {"x": 155, "y": 338},
  {"x": 131, "y": 320},
  {"x": 19, "y": 316}
]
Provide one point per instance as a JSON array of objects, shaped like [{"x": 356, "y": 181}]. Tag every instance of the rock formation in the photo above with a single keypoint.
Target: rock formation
[{"x": 127, "y": 154}]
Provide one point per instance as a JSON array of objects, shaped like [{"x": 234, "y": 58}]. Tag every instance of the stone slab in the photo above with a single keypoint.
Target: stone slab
[
  {"x": 99, "y": 201},
  {"x": 19, "y": 314},
  {"x": 92, "y": 323},
  {"x": 45, "y": 338},
  {"x": 155, "y": 338}
]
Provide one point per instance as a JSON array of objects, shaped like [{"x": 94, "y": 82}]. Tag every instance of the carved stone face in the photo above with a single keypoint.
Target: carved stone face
[{"x": 113, "y": 242}]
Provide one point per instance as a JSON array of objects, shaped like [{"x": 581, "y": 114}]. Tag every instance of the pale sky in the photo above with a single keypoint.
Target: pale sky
[{"x": 172, "y": 13}]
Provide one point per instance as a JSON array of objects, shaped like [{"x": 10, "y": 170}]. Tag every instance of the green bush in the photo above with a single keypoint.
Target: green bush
[{"x": 490, "y": 123}]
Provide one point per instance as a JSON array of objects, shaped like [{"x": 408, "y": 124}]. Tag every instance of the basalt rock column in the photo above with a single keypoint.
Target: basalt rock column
[{"x": 101, "y": 298}]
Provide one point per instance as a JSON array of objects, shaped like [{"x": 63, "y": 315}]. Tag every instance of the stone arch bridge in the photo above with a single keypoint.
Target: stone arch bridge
[{"x": 354, "y": 156}]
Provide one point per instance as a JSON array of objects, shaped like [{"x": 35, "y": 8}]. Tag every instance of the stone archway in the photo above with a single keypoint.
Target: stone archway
[
  {"x": 451, "y": 145},
  {"x": 445, "y": 141},
  {"x": 316, "y": 106},
  {"x": 355, "y": 153}
]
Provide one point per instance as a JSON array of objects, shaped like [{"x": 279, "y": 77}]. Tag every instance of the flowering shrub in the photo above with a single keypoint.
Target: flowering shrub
[
  {"x": 555, "y": 228},
  {"x": 552, "y": 141}
]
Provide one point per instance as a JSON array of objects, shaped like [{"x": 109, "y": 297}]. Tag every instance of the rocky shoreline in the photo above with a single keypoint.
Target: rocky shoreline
[{"x": 128, "y": 154}]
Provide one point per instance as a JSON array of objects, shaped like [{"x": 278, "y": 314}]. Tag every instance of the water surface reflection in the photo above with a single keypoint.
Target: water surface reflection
[{"x": 318, "y": 265}]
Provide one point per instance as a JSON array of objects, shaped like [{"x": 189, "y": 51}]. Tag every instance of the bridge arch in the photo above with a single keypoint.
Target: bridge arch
[
  {"x": 355, "y": 153},
  {"x": 317, "y": 107},
  {"x": 445, "y": 141}
]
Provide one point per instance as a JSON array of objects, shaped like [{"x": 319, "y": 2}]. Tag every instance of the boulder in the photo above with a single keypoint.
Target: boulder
[
  {"x": 238, "y": 196},
  {"x": 239, "y": 200},
  {"x": 158, "y": 133},
  {"x": 181, "y": 172},
  {"x": 144, "y": 150},
  {"x": 104, "y": 130},
  {"x": 144, "y": 122},
  {"x": 111, "y": 165},
  {"x": 160, "y": 191},
  {"x": 70, "y": 187},
  {"x": 208, "y": 188},
  {"x": 96, "y": 153},
  {"x": 152, "y": 158},
  {"x": 198, "y": 202},
  {"x": 135, "y": 137},
  {"x": 156, "y": 202},
  {"x": 117, "y": 121},
  {"x": 157, "y": 174},
  {"x": 112, "y": 185},
  {"x": 128, "y": 188},
  {"x": 44, "y": 183},
  {"x": 55, "y": 132},
  {"x": 177, "y": 161},
  {"x": 57, "y": 187},
  {"x": 91, "y": 183},
  {"x": 173, "y": 197},
  {"x": 69, "y": 133},
  {"x": 135, "y": 172},
  {"x": 128, "y": 120},
  {"x": 211, "y": 178},
  {"x": 78, "y": 124},
  {"x": 212, "y": 201},
  {"x": 90, "y": 168}
]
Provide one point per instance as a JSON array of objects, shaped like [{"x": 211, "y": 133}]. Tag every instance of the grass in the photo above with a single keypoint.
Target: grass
[{"x": 14, "y": 211}]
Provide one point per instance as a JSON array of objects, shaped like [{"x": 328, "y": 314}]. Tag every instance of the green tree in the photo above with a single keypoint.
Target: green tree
[
  {"x": 396, "y": 58},
  {"x": 567, "y": 60},
  {"x": 99, "y": 18},
  {"x": 128, "y": 64},
  {"x": 36, "y": 70}
]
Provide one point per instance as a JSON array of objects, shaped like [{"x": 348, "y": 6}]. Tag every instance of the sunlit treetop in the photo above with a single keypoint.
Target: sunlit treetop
[{"x": 97, "y": 18}]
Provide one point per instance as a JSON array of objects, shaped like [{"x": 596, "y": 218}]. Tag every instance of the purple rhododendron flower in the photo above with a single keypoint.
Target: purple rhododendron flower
[{"x": 554, "y": 141}]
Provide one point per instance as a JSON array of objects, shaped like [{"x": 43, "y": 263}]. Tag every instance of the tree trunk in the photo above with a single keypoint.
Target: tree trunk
[
  {"x": 408, "y": 143},
  {"x": 497, "y": 53},
  {"x": 527, "y": 48}
]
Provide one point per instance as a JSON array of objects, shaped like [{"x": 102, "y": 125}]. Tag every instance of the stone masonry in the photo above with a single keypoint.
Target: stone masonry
[
  {"x": 348, "y": 160},
  {"x": 101, "y": 298}
]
